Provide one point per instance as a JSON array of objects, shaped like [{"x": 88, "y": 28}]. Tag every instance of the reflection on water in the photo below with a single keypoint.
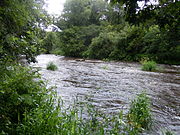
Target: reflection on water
[{"x": 112, "y": 85}]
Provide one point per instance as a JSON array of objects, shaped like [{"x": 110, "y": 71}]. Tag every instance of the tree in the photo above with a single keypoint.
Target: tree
[
  {"x": 19, "y": 28},
  {"x": 71, "y": 42},
  {"x": 131, "y": 7},
  {"x": 102, "y": 46},
  {"x": 80, "y": 23},
  {"x": 49, "y": 42},
  {"x": 166, "y": 14},
  {"x": 81, "y": 13},
  {"x": 98, "y": 9},
  {"x": 115, "y": 14},
  {"x": 75, "y": 13}
]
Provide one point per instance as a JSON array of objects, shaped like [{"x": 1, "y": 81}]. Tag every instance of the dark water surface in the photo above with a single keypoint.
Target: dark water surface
[{"x": 111, "y": 86}]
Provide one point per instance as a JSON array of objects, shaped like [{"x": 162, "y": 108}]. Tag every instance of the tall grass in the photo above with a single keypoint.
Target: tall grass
[
  {"x": 139, "y": 115},
  {"x": 51, "y": 66},
  {"x": 51, "y": 119},
  {"x": 148, "y": 65}
]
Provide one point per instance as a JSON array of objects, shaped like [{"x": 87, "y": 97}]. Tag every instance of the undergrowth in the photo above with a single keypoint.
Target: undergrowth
[
  {"x": 19, "y": 94},
  {"x": 139, "y": 116},
  {"x": 53, "y": 119}
]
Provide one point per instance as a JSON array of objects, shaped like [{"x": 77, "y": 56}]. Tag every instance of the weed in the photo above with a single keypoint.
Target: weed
[
  {"x": 51, "y": 66},
  {"x": 149, "y": 66},
  {"x": 51, "y": 119},
  {"x": 139, "y": 116}
]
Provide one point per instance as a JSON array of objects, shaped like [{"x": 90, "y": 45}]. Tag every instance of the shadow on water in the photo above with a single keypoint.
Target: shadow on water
[{"x": 111, "y": 86}]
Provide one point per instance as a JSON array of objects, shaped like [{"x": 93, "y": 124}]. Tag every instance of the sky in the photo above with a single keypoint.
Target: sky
[{"x": 54, "y": 7}]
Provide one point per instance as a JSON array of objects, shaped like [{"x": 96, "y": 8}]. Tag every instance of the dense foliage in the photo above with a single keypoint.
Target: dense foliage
[
  {"x": 20, "y": 22},
  {"x": 20, "y": 35},
  {"x": 102, "y": 30},
  {"x": 50, "y": 42},
  {"x": 19, "y": 94},
  {"x": 92, "y": 29}
]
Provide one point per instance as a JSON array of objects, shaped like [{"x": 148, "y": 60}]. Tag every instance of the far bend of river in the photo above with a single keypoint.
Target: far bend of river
[{"x": 111, "y": 86}]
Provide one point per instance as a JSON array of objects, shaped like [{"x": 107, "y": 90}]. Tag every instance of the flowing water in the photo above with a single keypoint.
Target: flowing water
[{"x": 111, "y": 86}]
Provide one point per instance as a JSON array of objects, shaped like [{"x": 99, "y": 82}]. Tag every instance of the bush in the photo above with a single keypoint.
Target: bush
[
  {"x": 149, "y": 66},
  {"x": 102, "y": 46},
  {"x": 51, "y": 66},
  {"x": 19, "y": 93},
  {"x": 50, "y": 42},
  {"x": 139, "y": 115},
  {"x": 71, "y": 42}
]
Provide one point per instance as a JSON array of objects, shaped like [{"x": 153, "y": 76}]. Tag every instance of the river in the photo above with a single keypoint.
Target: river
[{"x": 111, "y": 86}]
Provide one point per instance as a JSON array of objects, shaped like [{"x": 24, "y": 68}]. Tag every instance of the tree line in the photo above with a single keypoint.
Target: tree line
[{"x": 118, "y": 30}]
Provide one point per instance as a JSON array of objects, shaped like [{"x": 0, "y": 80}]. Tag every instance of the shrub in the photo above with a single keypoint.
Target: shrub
[
  {"x": 51, "y": 66},
  {"x": 71, "y": 42},
  {"x": 19, "y": 93},
  {"x": 149, "y": 66},
  {"x": 102, "y": 46},
  {"x": 139, "y": 115},
  {"x": 50, "y": 42}
]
